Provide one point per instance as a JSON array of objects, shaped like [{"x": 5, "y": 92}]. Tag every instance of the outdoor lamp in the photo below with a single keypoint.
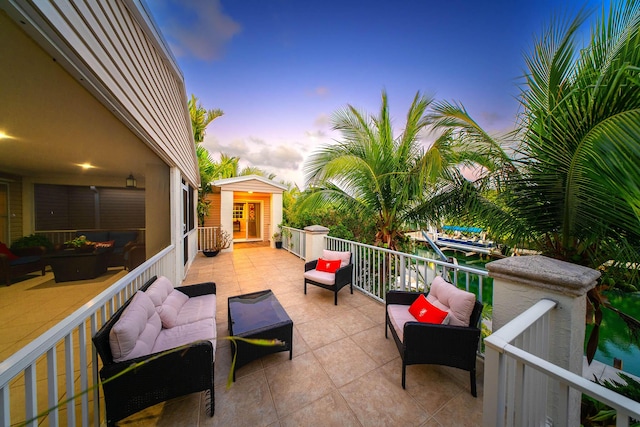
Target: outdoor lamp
[{"x": 131, "y": 181}]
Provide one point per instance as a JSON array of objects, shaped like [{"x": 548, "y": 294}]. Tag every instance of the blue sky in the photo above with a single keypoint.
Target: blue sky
[{"x": 280, "y": 68}]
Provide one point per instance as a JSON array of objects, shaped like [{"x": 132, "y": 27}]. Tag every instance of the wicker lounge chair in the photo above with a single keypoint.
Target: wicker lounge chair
[
  {"x": 331, "y": 281},
  {"x": 427, "y": 343}
]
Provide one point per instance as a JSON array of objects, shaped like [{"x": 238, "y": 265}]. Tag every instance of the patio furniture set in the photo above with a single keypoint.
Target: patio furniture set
[
  {"x": 108, "y": 249},
  {"x": 170, "y": 334}
]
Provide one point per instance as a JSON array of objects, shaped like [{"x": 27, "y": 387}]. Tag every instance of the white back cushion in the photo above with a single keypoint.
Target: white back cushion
[
  {"x": 457, "y": 302},
  {"x": 135, "y": 333},
  {"x": 170, "y": 308},
  {"x": 159, "y": 290},
  {"x": 344, "y": 257}
]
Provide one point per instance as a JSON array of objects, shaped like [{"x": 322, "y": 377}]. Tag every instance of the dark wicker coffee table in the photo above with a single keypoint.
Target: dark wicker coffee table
[
  {"x": 258, "y": 315},
  {"x": 69, "y": 265}
]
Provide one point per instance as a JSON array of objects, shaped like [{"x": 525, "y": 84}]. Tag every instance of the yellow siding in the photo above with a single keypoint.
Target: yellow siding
[{"x": 213, "y": 220}]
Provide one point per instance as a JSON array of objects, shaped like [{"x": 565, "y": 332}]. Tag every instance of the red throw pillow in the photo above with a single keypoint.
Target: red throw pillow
[
  {"x": 426, "y": 312},
  {"x": 108, "y": 244},
  {"x": 5, "y": 250},
  {"x": 329, "y": 266}
]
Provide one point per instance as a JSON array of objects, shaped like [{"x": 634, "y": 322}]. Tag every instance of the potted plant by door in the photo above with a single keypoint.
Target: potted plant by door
[
  {"x": 277, "y": 238},
  {"x": 221, "y": 240}
]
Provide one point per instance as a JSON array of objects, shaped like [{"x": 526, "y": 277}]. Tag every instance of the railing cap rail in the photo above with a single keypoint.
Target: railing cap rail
[{"x": 513, "y": 329}]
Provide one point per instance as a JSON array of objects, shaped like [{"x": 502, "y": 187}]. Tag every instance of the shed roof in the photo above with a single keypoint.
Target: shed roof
[{"x": 250, "y": 183}]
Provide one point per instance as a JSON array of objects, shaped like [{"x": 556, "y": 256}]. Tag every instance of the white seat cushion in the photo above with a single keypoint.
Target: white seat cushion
[
  {"x": 197, "y": 308},
  {"x": 399, "y": 315},
  {"x": 185, "y": 334},
  {"x": 320, "y": 277}
]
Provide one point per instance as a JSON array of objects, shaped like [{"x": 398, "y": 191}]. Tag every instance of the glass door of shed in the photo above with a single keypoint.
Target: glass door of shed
[{"x": 247, "y": 221}]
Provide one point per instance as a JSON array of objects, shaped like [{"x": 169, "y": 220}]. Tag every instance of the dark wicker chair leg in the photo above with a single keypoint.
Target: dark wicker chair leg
[
  {"x": 212, "y": 402},
  {"x": 305, "y": 287},
  {"x": 472, "y": 374},
  {"x": 404, "y": 374},
  {"x": 335, "y": 298}
]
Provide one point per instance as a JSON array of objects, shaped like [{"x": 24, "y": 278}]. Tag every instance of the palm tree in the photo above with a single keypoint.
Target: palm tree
[
  {"x": 372, "y": 172},
  {"x": 227, "y": 167},
  {"x": 200, "y": 119},
  {"x": 571, "y": 187}
]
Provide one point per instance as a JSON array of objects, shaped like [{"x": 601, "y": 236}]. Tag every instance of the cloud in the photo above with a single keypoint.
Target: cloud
[
  {"x": 490, "y": 117},
  {"x": 322, "y": 91},
  {"x": 198, "y": 28},
  {"x": 257, "y": 152},
  {"x": 315, "y": 135},
  {"x": 322, "y": 120}
]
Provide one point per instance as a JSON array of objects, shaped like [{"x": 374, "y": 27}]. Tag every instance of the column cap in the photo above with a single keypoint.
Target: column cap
[
  {"x": 316, "y": 229},
  {"x": 544, "y": 272}
]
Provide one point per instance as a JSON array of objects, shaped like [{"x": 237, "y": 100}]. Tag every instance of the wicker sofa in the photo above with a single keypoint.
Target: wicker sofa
[
  {"x": 20, "y": 262},
  {"x": 146, "y": 331}
]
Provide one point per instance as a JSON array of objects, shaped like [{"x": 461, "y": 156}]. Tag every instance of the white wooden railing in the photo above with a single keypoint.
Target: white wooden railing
[
  {"x": 378, "y": 270},
  {"x": 521, "y": 388},
  {"x": 294, "y": 240},
  {"x": 62, "y": 362},
  {"x": 207, "y": 237}
]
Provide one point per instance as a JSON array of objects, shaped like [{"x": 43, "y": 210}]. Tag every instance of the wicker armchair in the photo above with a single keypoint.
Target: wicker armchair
[
  {"x": 426, "y": 343},
  {"x": 331, "y": 281},
  {"x": 158, "y": 377}
]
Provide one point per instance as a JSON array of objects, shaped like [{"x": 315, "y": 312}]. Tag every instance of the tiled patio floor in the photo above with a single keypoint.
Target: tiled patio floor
[{"x": 343, "y": 373}]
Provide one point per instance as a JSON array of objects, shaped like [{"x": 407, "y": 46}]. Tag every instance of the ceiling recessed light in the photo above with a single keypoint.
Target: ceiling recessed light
[
  {"x": 86, "y": 166},
  {"x": 4, "y": 135}
]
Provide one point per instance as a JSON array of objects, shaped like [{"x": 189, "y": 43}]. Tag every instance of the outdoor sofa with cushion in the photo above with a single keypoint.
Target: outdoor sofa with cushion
[
  {"x": 121, "y": 239},
  {"x": 451, "y": 341},
  {"x": 330, "y": 275},
  {"x": 170, "y": 335},
  {"x": 21, "y": 262}
]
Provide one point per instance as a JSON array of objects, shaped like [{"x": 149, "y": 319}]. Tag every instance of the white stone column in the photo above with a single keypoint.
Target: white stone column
[
  {"x": 314, "y": 241},
  {"x": 520, "y": 282}
]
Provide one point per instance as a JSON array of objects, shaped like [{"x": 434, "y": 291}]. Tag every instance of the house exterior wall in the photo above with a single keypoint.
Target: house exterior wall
[
  {"x": 115, "y": 51},
  {"x": 213, "y": 219}
]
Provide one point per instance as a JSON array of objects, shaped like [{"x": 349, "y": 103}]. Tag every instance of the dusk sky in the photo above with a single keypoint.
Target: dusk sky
[{"x": 280, "y": 68}]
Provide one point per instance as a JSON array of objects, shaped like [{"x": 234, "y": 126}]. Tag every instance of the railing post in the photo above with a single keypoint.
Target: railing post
[
  {"x": 520, "y": 282},
  {"x": 314, "y": 243}
]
